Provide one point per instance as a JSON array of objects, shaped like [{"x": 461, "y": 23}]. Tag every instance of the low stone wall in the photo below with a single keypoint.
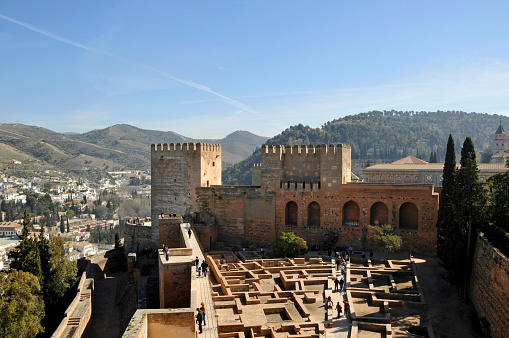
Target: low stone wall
[
  {"x": 161, "y": 323},
  {"x": 489, "y": 285}
]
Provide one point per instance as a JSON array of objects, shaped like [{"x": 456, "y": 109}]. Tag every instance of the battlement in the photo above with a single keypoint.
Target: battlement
[
  {"x": 303, "y": 150},
  {"x": 178, "y": 148}
]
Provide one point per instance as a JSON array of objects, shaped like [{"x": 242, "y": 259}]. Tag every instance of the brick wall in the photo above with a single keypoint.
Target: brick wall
[
  {"x": 489, "y": 286},
  {"x": 175, "y": 282}
]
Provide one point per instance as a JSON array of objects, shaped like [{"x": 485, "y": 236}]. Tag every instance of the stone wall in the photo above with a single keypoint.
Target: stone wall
[
  {"x": 177, "y": 170},
  {"x": 169, "y": 232},
  {"x": 489, "y": 287},
  {"x": 137, "y": 237}
]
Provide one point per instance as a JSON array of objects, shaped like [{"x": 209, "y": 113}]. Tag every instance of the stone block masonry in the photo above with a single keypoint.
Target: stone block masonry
[
  {"x": 489, "y": 287},
  {"x": 177, "y": 170}
]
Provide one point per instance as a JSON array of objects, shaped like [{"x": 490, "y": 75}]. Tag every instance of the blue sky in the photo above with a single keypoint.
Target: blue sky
[{"x": 204, "y": 69}]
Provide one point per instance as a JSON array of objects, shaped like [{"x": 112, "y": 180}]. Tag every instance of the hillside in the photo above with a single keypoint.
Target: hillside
[
  {"x": 386, "y": 136},
  {"x": 114, "y": 148}
]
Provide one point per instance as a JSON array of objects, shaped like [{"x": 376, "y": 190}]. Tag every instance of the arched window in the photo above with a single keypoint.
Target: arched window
[
  {"x": 379, "y": 214},
  {"x": 351, "y": 214},
  {"x": 408, "y": 216},
  {"x": 314, "y": 214},
  {"x": 291, "y": 213}
]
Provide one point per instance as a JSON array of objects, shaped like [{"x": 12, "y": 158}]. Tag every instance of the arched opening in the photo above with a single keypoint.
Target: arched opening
[
  {"x": 291, "y": 213},
  {"x": 351, "y": 214},
  {"x": 314, "y": 214},
  {"x": 408, "y": 216},
  {"x": 379, "y": 214}
]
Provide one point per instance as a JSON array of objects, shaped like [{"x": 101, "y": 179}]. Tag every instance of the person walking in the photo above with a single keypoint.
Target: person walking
[
  {"x": 371, "y": 255},
  {"x": 346, "y": 305},
  {"x": 341, "y": 284},
  {"x": 197, "y": 263},
  {"x": 339, "y": 309},
  {"x": 199, "y": 271},
  {"x": 199, "y": 319},
  {"x": 189, "y": 232},
  {"x": 204, "y": 313}
]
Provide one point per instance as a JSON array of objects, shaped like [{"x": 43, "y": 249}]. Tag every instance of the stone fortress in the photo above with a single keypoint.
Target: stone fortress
[{"x": 303, "y": 189}]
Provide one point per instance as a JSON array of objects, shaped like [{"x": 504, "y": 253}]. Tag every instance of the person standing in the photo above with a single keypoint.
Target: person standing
[
  {"x": 371, "y": 255},
  {"x": 339, "y": 309},
  {"x": 336, "y": 284},
  {"x": 346, "y": 305},
  {"x": 189, "y": 232},
  {"x": 199, "y": 319},
  {"x": 197, "y": 263},
  {"x": 341, "y": 284},
  {"x": 204, "y": 313}
]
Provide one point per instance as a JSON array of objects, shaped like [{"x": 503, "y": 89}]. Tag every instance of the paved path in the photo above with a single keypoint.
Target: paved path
[
  {"x": 341, "y": 325},
  {"x": 204, "y": 294}
]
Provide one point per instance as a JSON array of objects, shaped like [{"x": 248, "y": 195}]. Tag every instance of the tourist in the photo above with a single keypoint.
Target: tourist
[
  {"x": 199, "y": 319},
  {"x": 204, "y": 268},
  {"x": 263, "y": 252},
  {"x": 341, "y": 285},
  {"x": 336, "y": 284},
  {"x": 346, "y": 305},
  {"x": 197, "y": 263},
  {"x": 204, "y": 313},
  {"x": 339, "y": 309},
  {"x": 351, "y": 252},
  {"x": 337, "y": 263},
  {"x": 189, "y": 232},
  {"x": 371, "y": 255},
  {"x": 199, "y": 271}
]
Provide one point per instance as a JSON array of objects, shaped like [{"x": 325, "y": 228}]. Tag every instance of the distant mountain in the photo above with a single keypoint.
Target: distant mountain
[
  {"x": 385, "y": 136},
  {"x": 114, "y": 148}
]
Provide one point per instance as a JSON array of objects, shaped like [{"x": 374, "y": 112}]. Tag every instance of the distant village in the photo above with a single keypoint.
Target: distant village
[{"x": 66, "y": 190}]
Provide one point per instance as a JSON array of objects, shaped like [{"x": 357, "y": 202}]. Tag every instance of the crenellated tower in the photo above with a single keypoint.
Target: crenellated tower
[
  {"x": 321, "y": 166},
  {"x": 178, "y": 170}
]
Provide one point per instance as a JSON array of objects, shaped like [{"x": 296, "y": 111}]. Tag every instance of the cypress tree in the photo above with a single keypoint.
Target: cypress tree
[
  {"x": 62, "y": 225},
  {"x": 447, "y": 223},
  {"x": 68, "y": 225},
  {"x": 25, "y": 256}
]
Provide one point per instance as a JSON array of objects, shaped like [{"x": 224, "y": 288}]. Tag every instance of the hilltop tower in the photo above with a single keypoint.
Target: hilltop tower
[
  {"x": 178, "y": 171},
  {"x": 499, "y": 145}
]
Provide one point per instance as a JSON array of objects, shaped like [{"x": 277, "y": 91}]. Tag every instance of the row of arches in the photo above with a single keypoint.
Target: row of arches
[{"x": 379, "y": 214}]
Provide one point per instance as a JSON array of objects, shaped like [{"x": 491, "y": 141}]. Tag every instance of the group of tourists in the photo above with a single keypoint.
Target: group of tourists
[
  {"x": 200, "y": 317},
  {"x": 201, "y": 268}
]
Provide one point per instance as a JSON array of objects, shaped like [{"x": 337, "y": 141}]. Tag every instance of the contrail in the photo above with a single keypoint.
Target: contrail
[{"x": 188, "y": 83}]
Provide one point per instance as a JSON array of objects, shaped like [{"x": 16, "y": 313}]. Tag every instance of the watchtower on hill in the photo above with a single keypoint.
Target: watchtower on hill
[
  {"x": 178, "y": 171},
  {"x": 500, "y": 144}
]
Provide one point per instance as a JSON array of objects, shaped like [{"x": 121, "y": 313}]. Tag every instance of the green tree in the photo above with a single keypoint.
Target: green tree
[
  {"x": 447, "y": 222},
  {"x": 300, "y": 245},
  {"x": 118, "y": 244},
  {"x": 70, "y": 213},
  {"x": 471, "y": 193},
  {"x": 384, "y": 238},
  {"x": 25, "y": 256},
  {"x": 329, "y": 238},
  {"x": 61, "y": 273},
  {"x": 287, "y": 245},
  {"x": 21, "y": 308},
  {"x": 62, "y": 224}
]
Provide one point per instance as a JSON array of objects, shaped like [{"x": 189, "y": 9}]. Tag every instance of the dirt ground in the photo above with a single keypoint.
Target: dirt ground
[{"x": 449, "y": 315}]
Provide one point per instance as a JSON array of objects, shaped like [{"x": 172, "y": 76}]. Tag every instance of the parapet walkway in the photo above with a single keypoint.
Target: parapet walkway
[{"x": 204, "y": 294}]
